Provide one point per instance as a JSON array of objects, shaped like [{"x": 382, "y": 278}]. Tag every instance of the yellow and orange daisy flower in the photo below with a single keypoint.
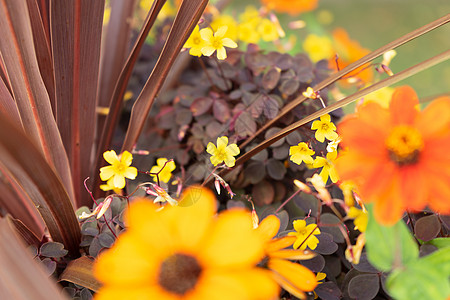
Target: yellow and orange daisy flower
[
  {"x": 398, "y": 157},
  {"x": 184, "y": 252},
  {"x": 293, "y": 277}
]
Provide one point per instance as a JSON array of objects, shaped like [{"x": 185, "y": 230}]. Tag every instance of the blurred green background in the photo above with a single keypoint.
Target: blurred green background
[{"x": 374, "y": 23}]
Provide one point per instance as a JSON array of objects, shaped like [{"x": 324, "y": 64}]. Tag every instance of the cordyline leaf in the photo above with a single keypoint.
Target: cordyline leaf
[
  {"x": 115, "y": 105},
  {"x": 76, "y": 37},
  {"x": 30, "y": 94},
  {"x": 44, "y": 9},
  {"x": 79, "y": 271},
  {"x": 38, "y": 179},
  {"x": 114, "y": 52},
  {"x": 353, "y": 66},
  {"x": 43, "y": 54},
  {"x": 27, "y": 235},
  {"x": 21, "y": 277},
  {"x": 7, "y": 104},
  {"x": 17, "y": 203},
  {"x": 185, "y": 21}
]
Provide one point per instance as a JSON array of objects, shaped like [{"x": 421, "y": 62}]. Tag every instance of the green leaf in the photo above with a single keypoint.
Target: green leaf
[
  {"x": 440, "y": 242},
  {"x": 426, "y": 278},
  {"x": 389, "y": 247}
]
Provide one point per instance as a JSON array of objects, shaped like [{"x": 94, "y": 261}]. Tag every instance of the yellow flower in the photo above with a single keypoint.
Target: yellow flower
[
  {"x": 306, "y": 235},
  {"x": 267, "y": 30},
  {"x": 248, "y": 33},
  {"x": 300, "y": 153},
  {"x": 223, "y": 153},
  {"x": 195, "y": 42},
  {"x": 119, "y": 169},
  {"x": 347, "y": 188},
  {"x": 226, "y": 20},
  {"x": 217, "y": 41},
  {"x": 333, "y": 145},
  {"x": 250, "y": 13},
  {"x": 328, "y": 169},
  {"x": 382, "y": 96},
  {"x": 318, "y": 47},
  {"x": 324, "y": 129},
  {"x": 185, "y": 253},
  {"x": 109, "y": 186},
  {"x": 166, "y": 172},
  {"x": 293, "y": 277},
  {"x": 353, "y": 253},
  {"x": 360, "y": 217}
]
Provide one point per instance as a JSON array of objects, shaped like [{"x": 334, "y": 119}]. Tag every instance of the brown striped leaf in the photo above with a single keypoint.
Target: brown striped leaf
[
  {"x": 80, "y": 271},
  {"x": 8, "y": 106},
  {"x": 38, "y": 179},
  {"x": 28, "y": 236},
  {"x": 76, "y": 27},
  {"x": 114, "y": 53},
  {"x": 16, "y": 202},
  {"x": 119, "y": 91},
  {"x": 21, "y": 277},
  {"x": 185, "y": 21},
  {"x": 30, "y": 94}
]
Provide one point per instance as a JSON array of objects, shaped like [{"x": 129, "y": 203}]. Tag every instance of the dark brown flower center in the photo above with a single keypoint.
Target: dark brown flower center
[
  {"x": 179, "y": 273},
  {"x": 404, "y": 144}
]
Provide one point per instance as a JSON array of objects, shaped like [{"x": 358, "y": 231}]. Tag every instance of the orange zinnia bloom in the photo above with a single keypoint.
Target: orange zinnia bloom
[
  {"x": 399, "y": 157},
  {"x": 291, "y": 7},
  {"x": 349, "y": 51},
  {"x": 293, "y": 277}
]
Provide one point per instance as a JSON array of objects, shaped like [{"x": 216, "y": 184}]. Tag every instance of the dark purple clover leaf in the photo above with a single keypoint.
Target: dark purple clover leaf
[
  {"x": 256, "y": 106},
  {"x": 364, "y": 265},
  {"x": 235, "y": 95},
  {"x": 270, "y": 79},
  {"x": 333, "y": 266},
  {"x": 275, "y": 169},
  {"x": 427, "y": 228},
  {"x": 49, "y": 265},
  {"x": 245, "y": 125},
  {"x": 330, "y": 219},
  {"x": 284, "y": 220},
  {"x": 106, "y": 240},
  {"x": 326, "y": 244},
  {"x": 263, "y": 193},
  {"x": 53, "y": 249},
  {"x": 214, "y": 129},
  {"x": 95, "y": 247},
  {"x": 328, "y": 291},
  {"x": 426, "y": 249},
  {"x": 270, "y": 107},
  {"x": 221, "y": 111},
  {"x": 284, "y": 62},
  {"x": 183, "y": 116},
  {"x": 289, "y": 86},
  {"x": 201, "y": 106},
  {"x": 445, "y": 220},
  {"x": 85, "y": 294},
  {"x": 294, "y": 138},
  {"x": 308, "y": 203},
  {"x": 315, "y": 264},
  {"x": 271, "y": 132},
  {"x": 364, "y": 286},
  {"x": 166, "y": 117},
  {"x": 281, "y": 152},
  {"x": 255, "y": 171}
]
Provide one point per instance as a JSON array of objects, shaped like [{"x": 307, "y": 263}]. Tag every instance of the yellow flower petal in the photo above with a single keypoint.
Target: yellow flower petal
[
  {"x": 111, "y": 157},
  {"x": 233, "y": 149},
  {"x": 206, "y": 34},
  {"x": 269, "y": 227},
  {"x": 119, "y": 181},
  {"x": 222, "y": 142},
  {"x": 130, "y": 173},
  {"x": 227, "y": 42},
  {"x": 221, "y": 53},
  {"x": 299, "y": 276},
  {"x": 106, "y": 172},
  {"x": 126, "y": 158}
]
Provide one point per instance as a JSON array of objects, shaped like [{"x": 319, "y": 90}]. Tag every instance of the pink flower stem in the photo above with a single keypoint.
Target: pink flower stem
[{"x": 287, "y": 201}]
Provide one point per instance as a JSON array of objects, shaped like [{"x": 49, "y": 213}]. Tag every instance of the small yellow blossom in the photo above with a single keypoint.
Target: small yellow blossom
[
  {"x": 382, "y": 96},
  {"x": 223, "y": 152},
  {"x": 268, "y": 30},
  {"x": 166, "y": 171},
  {"x": 310, "y": 93},
  {"x": 226, "y": 20},
  {"x": 163, "y": 196},
  {"x": 327, "y": 165},
  {"x": 306, "y": 235},
  {"x": 119, "y": 169},
  {"x": 216, "y": 42},
  {"x": 195, "y": 43},
  {"x": 318, "y": 47},
  {"x": 250, "y": 13},
  {"x": 322, "y": 191},
  {"x": 360, "y": 217},
  {"x": 248, "y": 33},
  {"x": 109, "y": 186},
  {"x": 347, "y": 188},
  {"x": 353, "y": 253},
  {"x": 99, "y": 210},
  {"x": 300, "y": 153},
  {"x": 324, "y": 129},
  {"x": 303, "y": 187},
  {"x": 333, "y": 145}
]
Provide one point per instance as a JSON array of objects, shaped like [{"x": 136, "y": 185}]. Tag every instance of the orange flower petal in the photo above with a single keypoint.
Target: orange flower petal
[
  {"x": 296, "y": 275},
  {"x": 222, "y": 243},
  {"x": 269, "y": 227},
  {"x": 414, "y": 186},
  {"x": 402, "y": 107},
  {"x": 280, "y": 243},
  {"x": 435, "y": 118},
  {"x": 293, "y": 254},
  {"x": 389, "y": 207}
]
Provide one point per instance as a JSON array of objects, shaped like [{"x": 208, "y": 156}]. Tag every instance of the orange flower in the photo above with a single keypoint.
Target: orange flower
[
  {"x": 399, "y": 157},
  {"x": 291, "y": 7},
  {"x": 294, "y": 278},
  {"x": 349, "y": 51}
]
